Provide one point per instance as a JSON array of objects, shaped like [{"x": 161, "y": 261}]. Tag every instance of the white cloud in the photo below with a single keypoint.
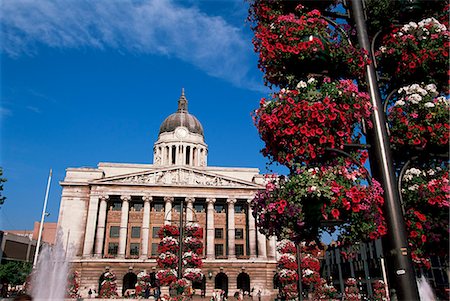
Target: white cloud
[
  {"x": 33, "y": 109},
  {"x": 140, "y": 27},
  {"x": 5, "y": 112}
]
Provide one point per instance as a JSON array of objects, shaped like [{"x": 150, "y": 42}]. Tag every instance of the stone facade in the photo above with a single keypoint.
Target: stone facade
[{"x": 110, "y": 215}]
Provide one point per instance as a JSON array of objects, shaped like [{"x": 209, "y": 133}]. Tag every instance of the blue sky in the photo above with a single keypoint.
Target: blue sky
[{"x": 84, "y": 82}]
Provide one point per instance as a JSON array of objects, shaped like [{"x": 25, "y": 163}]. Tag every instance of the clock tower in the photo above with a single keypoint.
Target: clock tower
[{"x": 180, "y": 140}]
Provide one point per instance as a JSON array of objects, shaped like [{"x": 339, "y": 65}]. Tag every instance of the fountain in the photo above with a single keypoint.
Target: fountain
[
  {"x": 425, "y": 290},
  {"x": 49, "y": 279}
]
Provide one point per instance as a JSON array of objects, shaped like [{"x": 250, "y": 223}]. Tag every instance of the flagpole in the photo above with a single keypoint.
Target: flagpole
[{"x": 36, "y": 253}]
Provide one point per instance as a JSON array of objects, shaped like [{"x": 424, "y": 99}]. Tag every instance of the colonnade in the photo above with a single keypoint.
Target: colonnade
[{"x": 96, "y": 224}]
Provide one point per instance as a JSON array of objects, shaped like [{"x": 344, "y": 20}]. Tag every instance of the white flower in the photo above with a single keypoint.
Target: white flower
[
  {"x": 415, "y": 98},
  {"x": 308, "y": 272},
  {"x": 301, "y": 84},
  {"x": 399, "y": 103},
  {"x": 311, "y": 80},
  {"x": 383, "y": 49},
  {"x": 429, "y": 105}
]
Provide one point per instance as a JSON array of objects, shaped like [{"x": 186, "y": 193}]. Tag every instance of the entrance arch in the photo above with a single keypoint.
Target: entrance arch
[
  {"x": 129, "y": 282},
  {"x": 221, "y": 282},
  {"x": 243, "y": 282}
]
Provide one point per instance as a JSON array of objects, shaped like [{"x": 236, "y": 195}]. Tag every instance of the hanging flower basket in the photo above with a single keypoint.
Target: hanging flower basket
[
  {"x": 298, "y": 125},
  {"x": 193, "y": 244},
  {"x": 287, "y": 261},
  {"x": 168, "y": 230},
  {"x": 419, "y": 119},
  {"x": 286, "y": 246},
  {"x": 287, "y": 276},
  {"x": 168, "y": 244},
  {"x": 325, "y": 292},
  {"x": 426, "y": 192},
  {"x": 108, "y": 287},
  {"x": 167, "y": 260},
  {"x": 310, "y": 270},
  {"x": 178, "y": 287},
  {"x": 416, "y": 52},
  {"x": 193, "y": 274},
  {"x": 301, "y": 205},
  {"x": 166, "y": 277},
  {"x": 194, "y": 230},
  {"x": 192, "y": 260}
]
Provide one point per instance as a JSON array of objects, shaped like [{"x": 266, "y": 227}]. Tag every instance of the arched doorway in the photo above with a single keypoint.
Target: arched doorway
[
  {"x": 221, "y": 282},
  {"x": 129, "y": 282},
  {"x": 243, "y": 282}
]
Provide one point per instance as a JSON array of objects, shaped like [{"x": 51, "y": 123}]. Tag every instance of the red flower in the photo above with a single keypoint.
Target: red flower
[{"x": 335, "y": 213}]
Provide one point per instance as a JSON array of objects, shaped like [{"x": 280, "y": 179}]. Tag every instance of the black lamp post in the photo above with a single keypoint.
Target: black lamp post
[{"x": 401, "y": 272}]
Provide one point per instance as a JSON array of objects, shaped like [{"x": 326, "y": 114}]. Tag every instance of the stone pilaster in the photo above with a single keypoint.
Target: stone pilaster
[
  {"x": 272, "y": 248},
  {"x": 100, "y": 240},
  {"x": 145, "y": 226},
  {"x": 231, "y": 229},
  {"x": 123, "y": 225},
  {"x": 262, "y": 245},
  {"x": 168, "y": 210},
  {"x": 210, "y": 228},
  {"x": 190, "y": 209},
  {"x": 251, "y": 232},
  {"x": 90, "y": 226}
]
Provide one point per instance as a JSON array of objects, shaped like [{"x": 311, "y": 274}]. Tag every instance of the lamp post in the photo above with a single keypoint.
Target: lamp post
[{"x": 401, "y": 273}]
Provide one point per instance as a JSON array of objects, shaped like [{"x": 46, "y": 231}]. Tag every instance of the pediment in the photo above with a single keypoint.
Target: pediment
[{"x": 178, "y": 176}]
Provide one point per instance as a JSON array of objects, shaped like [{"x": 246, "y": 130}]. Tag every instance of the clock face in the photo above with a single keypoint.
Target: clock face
[{"x": 181, "y": 132}]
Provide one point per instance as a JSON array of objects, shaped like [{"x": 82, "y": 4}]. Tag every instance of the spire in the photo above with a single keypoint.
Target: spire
[{"x": 182, "y": 102}]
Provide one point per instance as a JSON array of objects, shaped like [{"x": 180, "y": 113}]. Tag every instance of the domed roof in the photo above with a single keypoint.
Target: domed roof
[{"x": 181, "y": 118}]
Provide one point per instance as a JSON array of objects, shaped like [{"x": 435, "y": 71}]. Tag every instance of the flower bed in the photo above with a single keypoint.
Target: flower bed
[
  {"x": 419, "y": 118},
  {"x": 416, "y": 52},
  {"x": 297, "y": 125},
  {"x": 305, "y": 203}
]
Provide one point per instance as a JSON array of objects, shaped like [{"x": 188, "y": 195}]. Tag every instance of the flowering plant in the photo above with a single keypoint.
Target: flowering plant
[
  {"x": 108, "y": 287},
  {"x": 416, "y": 51},
  {"x": 193, "y": 274},
  {"x": 296, "y": 42},
  {"x": 73, "y": 285},
  {"x": 290, "y": 291},
  {"x": 167, "y": 260},
  {"x": 166, "y": 277},
  {"x": 286, "y": 246},
  {"x": 179, "y": 286},
  {"x": 193, "y": 244},
  {"x": 298, "y": 206},
  {"x": 194, "y": 230},
  {"x": 168, "y": 244},
  {"x": 379, "y": 291},
  {"x": 143, "y": 281},
  {"x": 426, "y": 194},
  {"x": 310, "y": 270},
  {"x": 168, "y": 230},
  {"x": 287, "y": 261},
  {"x": 351, "y": 292},
  {"x": 287, "y": 276},
  {"x": 419, "y": 117},
  {"x": 325, "y": 292},
  {"x": 192, "y": 260},
  {"x": 298, "y": 125}
]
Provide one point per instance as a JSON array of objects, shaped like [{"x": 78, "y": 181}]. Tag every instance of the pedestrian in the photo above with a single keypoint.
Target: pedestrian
[{"x": 90, "y": 293}]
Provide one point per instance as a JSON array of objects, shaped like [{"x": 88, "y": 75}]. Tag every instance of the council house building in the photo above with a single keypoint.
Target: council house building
[{"x": 110, "y": 215}]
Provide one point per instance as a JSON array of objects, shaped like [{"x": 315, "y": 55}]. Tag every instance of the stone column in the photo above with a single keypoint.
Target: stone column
[
  {"x": 272, "y": 248},
  {"x": 123, "y": 225},
  {"x": 100, "y": 240},
  {"x": 210, "y": 228},
  {"x": 231, "y": 229},
  {"x": 145, "y": 226},
  {"x": 91, "y": 222},
  {"x": 168, "y": 210},
  {"x": 191, "y": 156},
  {"x": 251, "y": 232},
  {"x": 262, "y": 246},
  {"x": 190, "y": 209}
]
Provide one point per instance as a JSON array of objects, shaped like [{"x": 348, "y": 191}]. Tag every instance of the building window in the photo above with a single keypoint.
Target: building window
[
  {"x": 199, "y": 208},
  {"x": 176, "y": 208},
  {"x": 239, "y": 250},
  {"x": 238, "y": 208},
  {"x": 219, "y": 208},
  {"x": 135, "y": 232},
  {"x": 154, "y": 249},
  {"x": 116, "y": 206},
  {"x": 134, "y": 249},
  {"x": 158, "y": 207},
  {"x": 113, "y": 248},
  {"x": 239, "y": 233},
  {"x": 137, "y": 206},
  {"x": 218, "y": 248},
  {"x": 218, "y": 233},
  {"x": 155, "y": 232},
  {"x": 114, "y": 231}
]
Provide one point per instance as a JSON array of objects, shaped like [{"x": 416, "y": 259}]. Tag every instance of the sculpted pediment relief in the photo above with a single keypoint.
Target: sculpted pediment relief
[{"x": 178, "y": 177}]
